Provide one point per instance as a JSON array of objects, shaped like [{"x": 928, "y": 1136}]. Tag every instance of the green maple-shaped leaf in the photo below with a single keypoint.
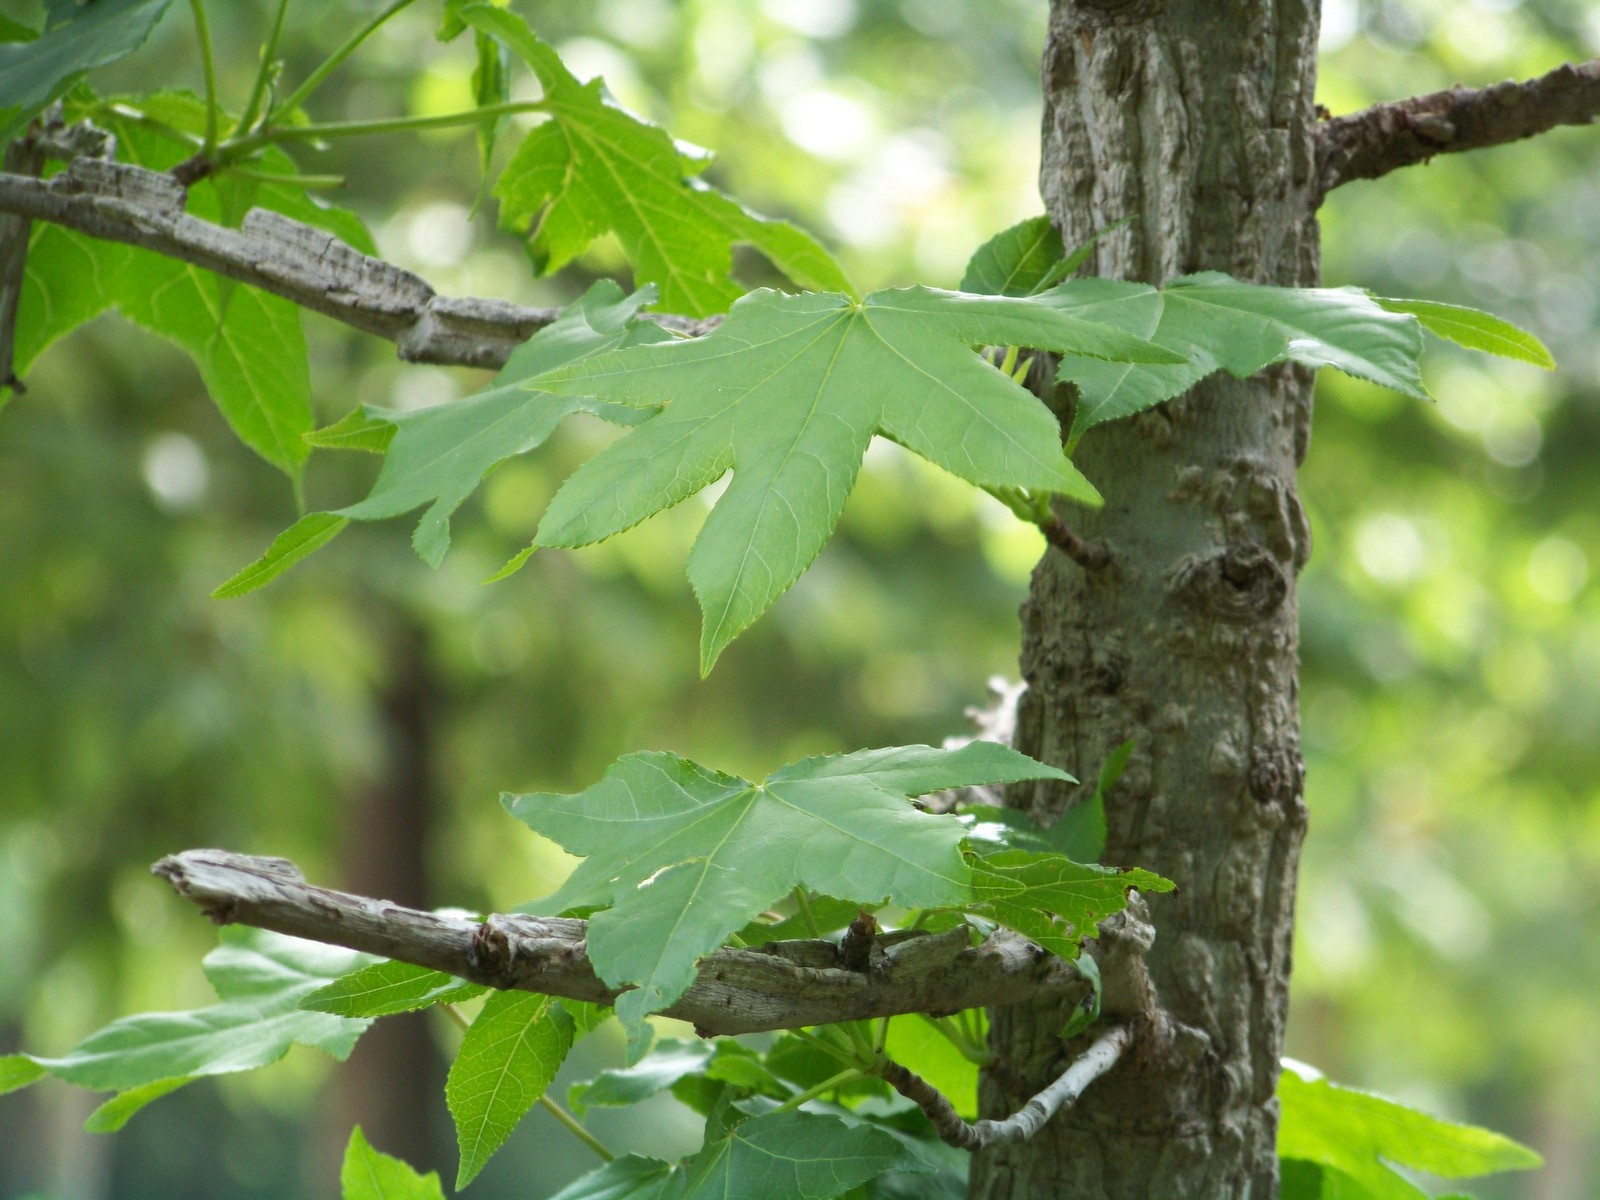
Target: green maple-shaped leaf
[
  {"x": 511, "y": 1052},
  {"x": 368, "y": 1174},
  {"x": 1050, "y": 898},
  {"x": 1015, "y": 261},
  {"x": 787, "y": 392},
  {"x": 594, "y": 167},
  {"x": 678, "y": 856},
  {"x": 1358, "y": 1135},
  {"x": 1474, "y": 329},
  {"x": 260, "y": 979},
  {"x": 630, "y": 1177},
  {"x": 1215, "y": 323}
]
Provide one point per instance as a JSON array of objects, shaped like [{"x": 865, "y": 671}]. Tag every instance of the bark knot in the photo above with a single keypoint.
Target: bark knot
[{"x": 1242, "y": 583}]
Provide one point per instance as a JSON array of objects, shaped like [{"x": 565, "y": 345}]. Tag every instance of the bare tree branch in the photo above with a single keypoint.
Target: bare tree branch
[
  {"x": 1385, "y": 137},
  {"x": 121, "y": 203},
  {"x": 782, "y": 985},
  {"x": 1031, "y": 1117}
]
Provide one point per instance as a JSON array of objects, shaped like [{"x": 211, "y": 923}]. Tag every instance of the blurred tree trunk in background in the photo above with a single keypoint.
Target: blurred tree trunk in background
[
  {"x": 389, "y": 1083},
  {"x": 1197, "y": 118}
]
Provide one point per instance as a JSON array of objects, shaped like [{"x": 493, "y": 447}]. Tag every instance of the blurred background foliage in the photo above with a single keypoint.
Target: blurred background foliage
[{"x": 362, "y": 714}]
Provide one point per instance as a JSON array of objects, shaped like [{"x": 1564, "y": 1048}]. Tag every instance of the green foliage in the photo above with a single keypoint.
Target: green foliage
[
  {"x": 384, "y": 988},
  {"x": 1217, "y": 323},
  {"x": 1354, "y": 1137},
  {"x": 783, "y": 1156},
  {"x": 595, "y": 168},
  {"x": 678, "y": 856},
  {"x": 787, "y": 392},
  {"x": 121, "y": 1108},
  {"x": 368, "y": 1174},
  {"x": 76, "y": 39},
  {"x": 1475, "y": 330},
  {"x": 306, "y": 536},
  {"x": 1015, "y": 261},
  {"x": 1050, "y": 898},
  {"x": 260, "y": 979},
  {"x": 512, "y": 1051}
]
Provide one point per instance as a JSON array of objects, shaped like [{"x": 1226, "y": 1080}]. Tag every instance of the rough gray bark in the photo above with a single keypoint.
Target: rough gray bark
[
  {"x": 782, "y": 985},
  {"x": 1197, "y": 117}
]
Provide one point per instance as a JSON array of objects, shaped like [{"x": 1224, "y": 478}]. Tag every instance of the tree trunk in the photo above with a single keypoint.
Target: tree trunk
[{"x": 1197, "y": 117}]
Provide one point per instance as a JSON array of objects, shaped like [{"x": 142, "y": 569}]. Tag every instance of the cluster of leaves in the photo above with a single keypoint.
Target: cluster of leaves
[{"x": 786, "y": 393}]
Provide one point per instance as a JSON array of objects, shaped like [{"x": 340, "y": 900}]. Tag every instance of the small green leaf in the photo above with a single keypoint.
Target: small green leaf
[
  {"x": 509, "y": 1056},
  {"x": 76, "y": 39},
  {"x": 368, "y": 1174},
  {"x": 594, "y": 167},
  {"x": 1360, "y": 1135},
  {"x": 1215, "y": 322},
  {"x": 1080, "y": 834},
  {"x": 1014, "y": 261},
  {"x": 1475, "y": 330},
  {"x": 389, "y": 987},
  {"x": 789, "y": 1156},
  {"x": 667, "y": 1063},
  {"x": 630, "y": 1177},
  {"x": 18, "y": 1071},
  {"x": 1079, "y": 255},
  {"x": 307, "y": 535},
  {"x": 1050, "y": 898},
  {"x": 684, "y": 856},
  {"x": 261, "y": 978},
  {"x": 357, "y": 430},
  {"x": 788, "y": 392},
  {"x": 120, "y": 1109}
]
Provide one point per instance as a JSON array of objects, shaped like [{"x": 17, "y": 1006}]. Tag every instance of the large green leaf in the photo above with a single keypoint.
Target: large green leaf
[
  {"x": 678, "y": 856},
  {"x": 383, "y": 988},
  {"x": 78, "y": 38},
  {"x": 787, "y": 392},
  {"x": 595, "y": 167},
  {"x": 1217, "y": 323},
  {"x": 260, "y": 978},
  {"x": 1360, "y": 1135},
  {"x": 368, "y": 1174},
  {"x": 512, "y": 1051},
  {"x": 1028, "y": 892}
]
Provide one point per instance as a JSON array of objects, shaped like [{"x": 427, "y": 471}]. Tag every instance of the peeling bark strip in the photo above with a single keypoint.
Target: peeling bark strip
[
  {"x": 1385, "y": 137},
  {"x": 783, "y": 985},
  {"x": 121, "y": 203},
  {"x": 1026, "y": 1121}
]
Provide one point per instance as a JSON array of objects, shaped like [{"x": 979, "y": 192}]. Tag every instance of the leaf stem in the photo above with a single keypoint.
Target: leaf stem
[
  {"x": 827, "y": 1047},
  {"x": 833, "y": 1083},
  {"x": 238, "y": 148},
  {"x": 269, "y": 53},
  {"x": 288, "y": 180},
  {"x": 576, "y": 1129},
  {"x": 208, "y": 65},
  {"x": 807, "y": 917},
  {"x": 328, "y": 65}
]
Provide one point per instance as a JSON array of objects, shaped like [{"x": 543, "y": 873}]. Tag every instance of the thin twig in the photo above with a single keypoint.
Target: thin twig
[
  {"x": 1091, "y": 556},
  {"x": 1385, "y": 137},
  {"x": 1026, "y": 1121}
]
